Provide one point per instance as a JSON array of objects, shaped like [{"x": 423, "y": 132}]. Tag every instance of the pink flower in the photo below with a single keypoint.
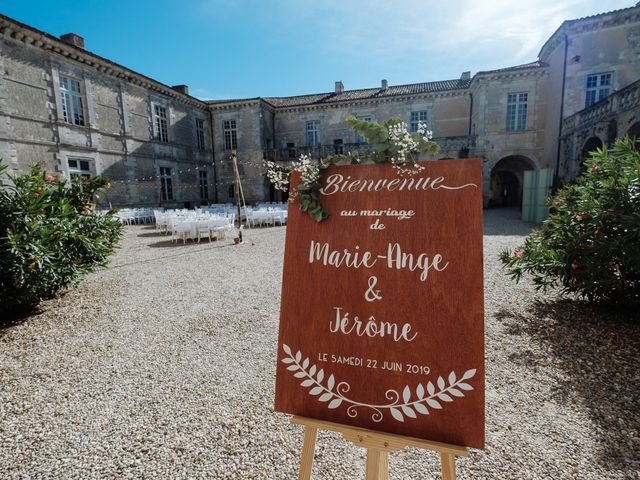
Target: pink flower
[
  {"x": 579, "y": 218},
  {"x": 575, "y": 266},
  {"x": 51, "y": 178},
  {"x": 518, "y": 252}
]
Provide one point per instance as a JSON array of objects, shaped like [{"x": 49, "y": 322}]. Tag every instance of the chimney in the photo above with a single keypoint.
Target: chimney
[
  {"x": 339, "y": 86},
  {"x": 181, "y": 88},
  {"x": 465, "y": 76},
  {"x": 73, "y": 39},
  {"x": 384, "y": 84}
]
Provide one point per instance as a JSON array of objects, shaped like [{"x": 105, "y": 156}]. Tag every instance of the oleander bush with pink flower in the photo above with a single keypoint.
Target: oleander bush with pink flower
[
  {"x": 590, "y": 244},
  {"x": 50, "y": 236}
]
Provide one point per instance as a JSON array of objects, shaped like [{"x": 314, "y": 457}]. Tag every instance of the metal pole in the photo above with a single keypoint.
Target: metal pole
[{"x": 236, "y": 190}]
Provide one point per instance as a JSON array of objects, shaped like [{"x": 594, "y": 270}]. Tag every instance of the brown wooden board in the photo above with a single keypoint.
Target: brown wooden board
[{"x": 425, "y": 376}]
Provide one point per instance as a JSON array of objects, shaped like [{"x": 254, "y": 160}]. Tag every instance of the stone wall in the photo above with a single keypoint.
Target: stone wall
[
  {"x": 599, "y": 125},
  {"x": 494, "y": 142},
  {"x": 254, "y": 126},
  {"x": 117, "y": 138},
  {"x": 448, "y": 116}
]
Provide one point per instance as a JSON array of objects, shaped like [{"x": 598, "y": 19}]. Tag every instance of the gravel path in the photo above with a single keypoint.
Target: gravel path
[{"x": 162, "y": 366}]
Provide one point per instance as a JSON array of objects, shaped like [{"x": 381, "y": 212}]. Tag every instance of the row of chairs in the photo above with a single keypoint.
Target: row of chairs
[
  {"x": 130, "y": 216},
  {"x": 199, "y": 229}
]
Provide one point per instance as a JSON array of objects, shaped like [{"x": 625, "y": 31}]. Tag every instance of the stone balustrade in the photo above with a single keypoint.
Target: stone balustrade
[{"x": 620, "y": 101}]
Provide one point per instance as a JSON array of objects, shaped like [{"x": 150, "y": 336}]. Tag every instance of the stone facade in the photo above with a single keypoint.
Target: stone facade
[
  {"x": 518, "y": 118},
  {"x": 599, "y": 125},
  {"x": 116, "y": 135}
]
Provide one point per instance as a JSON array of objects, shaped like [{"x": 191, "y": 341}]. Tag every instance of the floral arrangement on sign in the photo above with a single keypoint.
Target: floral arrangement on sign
[{"x": 390, "y": 142}]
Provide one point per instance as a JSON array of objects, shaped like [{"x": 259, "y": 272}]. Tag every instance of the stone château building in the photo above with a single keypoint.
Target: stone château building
[{"x": 81, "y": 114}]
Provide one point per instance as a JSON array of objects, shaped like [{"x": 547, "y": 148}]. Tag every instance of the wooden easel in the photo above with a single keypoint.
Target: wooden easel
[{"x": 378, "y": 446}]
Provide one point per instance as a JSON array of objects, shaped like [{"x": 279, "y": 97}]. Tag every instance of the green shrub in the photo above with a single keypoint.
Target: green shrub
[
  {"x": 50, "y": 236},
  {"x": 590, "y": 244}
]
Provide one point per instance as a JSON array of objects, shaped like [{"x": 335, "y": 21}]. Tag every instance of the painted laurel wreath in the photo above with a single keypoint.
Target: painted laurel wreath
[{"x": 400, "y": 406}]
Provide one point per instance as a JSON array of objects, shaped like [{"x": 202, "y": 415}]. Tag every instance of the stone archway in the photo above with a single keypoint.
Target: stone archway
[
  {"x": 507, "y": 179},
  {"x": 591, "y": 145},
  {"x": 612, "y": 132},
  {"x": 634, "y": 132}
]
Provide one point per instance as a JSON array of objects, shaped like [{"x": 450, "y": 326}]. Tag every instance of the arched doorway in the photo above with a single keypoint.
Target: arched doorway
[
  {"x": 506, "y": 181},
  {"x": 591, "y": 145},
  {"x": 612, "y": 132},
  {"x": 634, "y": 132}
]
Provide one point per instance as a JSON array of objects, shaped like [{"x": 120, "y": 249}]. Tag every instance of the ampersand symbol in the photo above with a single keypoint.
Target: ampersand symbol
[{"x": 370, "y": 295}]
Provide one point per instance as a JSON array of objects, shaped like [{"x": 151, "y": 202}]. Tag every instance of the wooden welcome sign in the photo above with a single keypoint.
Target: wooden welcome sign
[{"x": 381, "y": 322}]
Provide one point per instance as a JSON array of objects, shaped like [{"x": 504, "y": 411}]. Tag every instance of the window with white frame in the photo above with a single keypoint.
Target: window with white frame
[
  {"x": 230, "y": 131},
  {"x": 517, "y": 112},
  {"x": 417, "y": 118},
  {"x": 79, "y": 168},
  {"x": 313, "y": 133},
  {"x": 160, "y": 123},
  {"x": 200, "y": 134},
  {"x": 204, "y": 184},
  {"x": 166, "y": 183},
  {"x": 359, "y": 138},
  {"x": 72, "y": 108},
  {"x": 598, "y": 87}
]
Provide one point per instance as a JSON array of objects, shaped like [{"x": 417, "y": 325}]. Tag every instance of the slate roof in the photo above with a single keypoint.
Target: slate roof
[
  {"x": 524, "y": 66},
  {"x": 589, "y": 17},
  {"x": 368, "y": 93}
]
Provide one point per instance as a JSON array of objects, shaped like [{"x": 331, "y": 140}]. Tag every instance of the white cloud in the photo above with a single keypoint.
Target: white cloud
[
  {"x": 491, "y": 28},
  {"x": 412, "y": 37}
]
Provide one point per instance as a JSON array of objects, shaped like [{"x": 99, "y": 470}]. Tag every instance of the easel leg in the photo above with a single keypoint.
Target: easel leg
[
  {"x": 377, "y": 464},
  {"x": 448, "y": 466},
  {"x": 308, "y": 449}
]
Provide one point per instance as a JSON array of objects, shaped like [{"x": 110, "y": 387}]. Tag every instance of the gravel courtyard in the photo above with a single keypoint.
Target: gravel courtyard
[{"x": 162, "y": 366}]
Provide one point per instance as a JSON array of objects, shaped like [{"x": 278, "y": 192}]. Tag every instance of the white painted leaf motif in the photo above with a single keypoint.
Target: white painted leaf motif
[
  {"x": 445, "y": 397},
  {"x": 408, "y": 411},
  {"x": 312, "y": 377},
  {"x": 316, "y": 390},
  {"x": 395, "y": 413},
  {"x": 468, "y": 374},
  {"x": 406, "y": 394},
  {"x": 430, "y": 388},
  {"x": 455, "y": 392},
  {"x": 325, "y": 397}
]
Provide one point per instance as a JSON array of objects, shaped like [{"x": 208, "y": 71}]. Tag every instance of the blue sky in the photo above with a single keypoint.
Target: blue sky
[{"x": 250, "y": 48}]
